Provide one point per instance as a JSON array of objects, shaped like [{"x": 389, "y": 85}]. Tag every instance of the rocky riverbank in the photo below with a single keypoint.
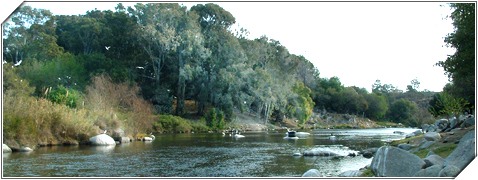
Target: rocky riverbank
[{"x": 442, "y": 149}]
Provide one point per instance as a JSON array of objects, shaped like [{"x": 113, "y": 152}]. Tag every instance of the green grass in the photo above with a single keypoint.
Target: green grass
[
  {"x": 368, "y": 173},
  {"x": 444, "y": 151},
  {"x": 406, "y": 140}
]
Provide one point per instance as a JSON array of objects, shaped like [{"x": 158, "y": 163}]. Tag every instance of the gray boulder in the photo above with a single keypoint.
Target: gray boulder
[
  {"x": 432, "y": 128},
  {"x": 351, "y": 173},
  {"x": 395, "y": 162},
  {"x": 433, "y": 160},
  {"x": 6, "y": 149},
  {"x": 102, "y": 140},
  {"x": 442, "y": 123},
  {"x": 425, "y": 127},
  {"x": 432, "y": 171},
  {"x": 432, "y": 136},
  {"x": 368, "y": 153},
  {"x": 449, "y": 171},
  {"x": 426, "y": 144},
  {"x": 470, "y": 121},
  {"x": 453, "y": 123},
  {"x": 405, "y": 146},
  {"x": 319, "y": 153},
  {"x": 312, "y": 173},
  {"x": 464, "y": 153}
]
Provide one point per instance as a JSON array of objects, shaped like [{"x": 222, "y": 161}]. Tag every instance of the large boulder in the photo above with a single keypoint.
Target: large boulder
[
  {"x": 6, "y": 149},
  {"x": 442, "y": 123},
  {"x": 433, "y": 160},
  {"x": 312, "y": 173},
  {"x": 319, "y": 153},
  {"x": 432, "y": 171},
  {"x": 464, "y": 153},
  {"x": 449, "y": 171},
  {"x": 470, "y": 121},
  {"x": 425, "y": 144},
  {"x": 351, "y": 173},
  {"x": 432, "y": 136},
  {"x": 102, "y": 140},
  {"x": 395, "y": 162},
  {"x": 405, "y": 146}
]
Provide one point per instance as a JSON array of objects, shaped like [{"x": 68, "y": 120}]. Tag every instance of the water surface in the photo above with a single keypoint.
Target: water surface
[{"x": 258, "y": 154}]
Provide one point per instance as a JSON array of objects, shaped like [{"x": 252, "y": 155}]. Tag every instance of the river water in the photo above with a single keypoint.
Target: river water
[{"x": 258, "y": 154}]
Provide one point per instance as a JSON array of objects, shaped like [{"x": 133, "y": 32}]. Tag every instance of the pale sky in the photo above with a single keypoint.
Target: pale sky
[{"x": 359, "y": 42}]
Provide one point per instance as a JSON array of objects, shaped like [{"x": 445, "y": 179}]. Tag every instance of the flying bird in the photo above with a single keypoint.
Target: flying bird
[
  {"x": 18, "y": 63},
  {"x": 107, "y": 47}
]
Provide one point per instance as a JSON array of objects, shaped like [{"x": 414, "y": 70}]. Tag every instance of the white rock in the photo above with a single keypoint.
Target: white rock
[
  {"x": 102, "y": 140},
  {"x": 6, "y": 149}
]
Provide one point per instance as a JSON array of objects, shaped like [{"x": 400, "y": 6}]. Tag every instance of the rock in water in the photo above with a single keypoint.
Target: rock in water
[
  {"x": 102, "y": 140},
  {"x": 312, "y": 173},
  {"x": 395, "y": 162},
  {"x": 6, "y": 149},
  {"x": 319, "y": 153}
]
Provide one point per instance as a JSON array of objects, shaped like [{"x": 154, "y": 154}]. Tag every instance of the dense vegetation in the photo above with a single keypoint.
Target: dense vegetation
[{"x": 67, "y": 77}]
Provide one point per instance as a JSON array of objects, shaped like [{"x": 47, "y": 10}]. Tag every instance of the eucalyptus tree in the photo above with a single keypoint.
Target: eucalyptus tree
[
  {"x": 29, "y": 34},
  {"x": 222, "y": 68}
]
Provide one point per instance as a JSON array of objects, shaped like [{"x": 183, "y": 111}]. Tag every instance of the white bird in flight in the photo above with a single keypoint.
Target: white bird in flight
[
  {"x": 18, "y": 63},
  {"x": 107, "y": 47}
]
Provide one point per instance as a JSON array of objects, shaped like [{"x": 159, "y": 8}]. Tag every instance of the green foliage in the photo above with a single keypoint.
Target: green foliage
[
  {"x": 377, "y": 106},
  {"x": 172, "y": 124},
  {"x": 460, "y": 66},
  {"x": 63, "y": 95},
  {"x": 404, "y": 111},
  {"x": 302, "y": 105},
  {"x": 215, "y": 119},
  {"x": 443, "y": 104}
]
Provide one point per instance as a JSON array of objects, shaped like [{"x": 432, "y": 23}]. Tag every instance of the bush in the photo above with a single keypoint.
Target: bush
[
  {"x": 62, "y": 95},
  {"x": 172, "y": 124}
]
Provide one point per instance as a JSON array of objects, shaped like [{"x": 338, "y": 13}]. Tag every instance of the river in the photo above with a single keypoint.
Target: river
[{"x": 258, "y": 154}]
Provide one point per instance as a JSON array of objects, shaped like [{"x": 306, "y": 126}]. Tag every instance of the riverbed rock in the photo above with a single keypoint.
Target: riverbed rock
[
  {"x": 449, "y": 171},
  {"x": 6, "y": 149},
  {"x": 405, "y": 147},
  {"x": 391, "y": 161},
  {"x": 433, "y": 160},
  {"x": 24, "y": 149},
  {"x": 464, "y": 153},
  {"x": 470, "y": 121},
  {"x": 319, "y": 153},
  {"x": 368, "y": 153},
  {"x": 102, "y": 140},
  {"x": 432, "y": 171},
  {"x": 425, "y": 127},
  {"x": 442, "y": 123},
  {"x": 312, "y": 173},
  {"x": 351, "y": 173},
  {"x": 425, "y": 144},
  {"x": 432, "y": 136}
]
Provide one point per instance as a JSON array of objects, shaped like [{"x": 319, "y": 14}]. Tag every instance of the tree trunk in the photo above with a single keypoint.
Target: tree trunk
[{"x": 181, "y": 86}]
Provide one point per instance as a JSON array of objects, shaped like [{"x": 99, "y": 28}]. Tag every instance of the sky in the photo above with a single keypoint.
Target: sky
[{"x": 359, "y": 42}]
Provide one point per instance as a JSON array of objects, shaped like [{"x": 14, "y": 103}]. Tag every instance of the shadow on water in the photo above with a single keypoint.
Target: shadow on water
[{"x": 259, "y": 154}]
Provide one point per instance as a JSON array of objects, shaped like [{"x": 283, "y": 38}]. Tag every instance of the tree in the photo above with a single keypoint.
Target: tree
[
  {"x": 444, "y": 104},
  {"x": 404, "y": 111},
  {"x": 30, "y": 34},
  {"x": 377, "y": 106},
  {"x": 460, "y": 66}
]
